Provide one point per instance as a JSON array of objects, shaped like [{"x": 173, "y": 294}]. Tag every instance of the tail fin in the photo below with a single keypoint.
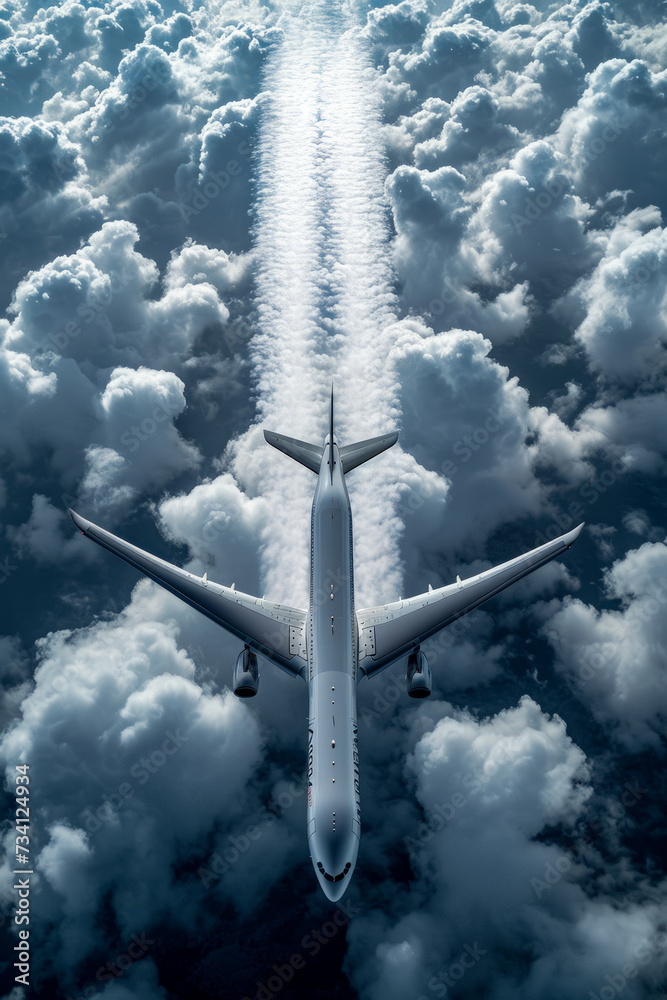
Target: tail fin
[
  {"x": 309, "y": 455},
  {"x": 331, "y": 435},
  {"x": 352, "y": 455}
]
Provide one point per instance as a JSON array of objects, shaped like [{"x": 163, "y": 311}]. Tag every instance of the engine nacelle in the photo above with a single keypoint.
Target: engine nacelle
[
  {"x": 246, "y": 674},
  {"x": 418, "y": 677}
]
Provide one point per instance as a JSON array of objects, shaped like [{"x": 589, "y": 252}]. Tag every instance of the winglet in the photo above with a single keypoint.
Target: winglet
[
  {"x": 80, "y": 522},
  {"x": 571, "y": 536}
]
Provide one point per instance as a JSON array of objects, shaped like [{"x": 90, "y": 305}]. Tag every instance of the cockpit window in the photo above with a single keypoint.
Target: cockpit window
[{"x": 334, "y": 878}]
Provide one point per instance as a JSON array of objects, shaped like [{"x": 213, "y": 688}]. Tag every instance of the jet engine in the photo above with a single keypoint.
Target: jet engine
[
  {"x": 246, "y": 674},
  {"x": 418, "y": 677}
]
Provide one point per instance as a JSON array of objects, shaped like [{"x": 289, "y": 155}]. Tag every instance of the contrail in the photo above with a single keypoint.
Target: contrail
[{"x": 324, "y": 291}]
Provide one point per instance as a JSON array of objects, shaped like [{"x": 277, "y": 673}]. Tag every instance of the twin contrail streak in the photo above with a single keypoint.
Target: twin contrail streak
[{"x": 324, "y": 285}]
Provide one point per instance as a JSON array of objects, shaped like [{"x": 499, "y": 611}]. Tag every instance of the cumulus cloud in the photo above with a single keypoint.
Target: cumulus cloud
[
  {"x": 45, "y": 205},
  {"x": 44, "y": 536},
  {"x": 95, "y": 305},
  {"x": 470, "y": 777},
  {"x": 614, "y": 659},
  {"x": 608, "y": 135},
  {"x": 195, "y": 213},
  {"x": 213, "y": 187},
  {"x": 121, "y": 694},
  {"x": 473, "y": 127},
  {"x": 220, "y": 525},
  {"x": 493, "y": 450},
  {"x": 632, "y": 428},
  {"x": 531, "y": 220},
  {"x": 623, "y": 330},
  {"x": 142, "y": 446},
  {"x": 451, "y": 52}
]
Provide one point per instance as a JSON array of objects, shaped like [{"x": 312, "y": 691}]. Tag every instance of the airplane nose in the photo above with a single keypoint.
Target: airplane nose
[
  {"x": 334, "y": 857},
  {"x": 335, "y": 890}
]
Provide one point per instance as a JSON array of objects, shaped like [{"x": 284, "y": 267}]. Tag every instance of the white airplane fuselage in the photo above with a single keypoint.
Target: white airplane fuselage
[{"x": 334, "y": 810}]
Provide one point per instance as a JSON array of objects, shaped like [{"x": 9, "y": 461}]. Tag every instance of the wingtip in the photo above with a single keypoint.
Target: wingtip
[
  {"x": 572, "y": 536},
  {"x": 79, "y": 521}
]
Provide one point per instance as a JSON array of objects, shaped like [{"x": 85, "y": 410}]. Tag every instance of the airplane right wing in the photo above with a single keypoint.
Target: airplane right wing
[
  {"x": 276, "y": 631},
  {"x": 388, "y": 632}
]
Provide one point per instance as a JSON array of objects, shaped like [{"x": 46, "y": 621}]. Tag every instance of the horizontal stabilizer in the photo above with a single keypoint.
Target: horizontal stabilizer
[
  {"x": 309, "y": 455},
  {"x": 352, "y": 455}
]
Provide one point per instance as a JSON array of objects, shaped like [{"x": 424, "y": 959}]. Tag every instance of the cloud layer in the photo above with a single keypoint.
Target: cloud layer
[{"x": 454, "y": 213}]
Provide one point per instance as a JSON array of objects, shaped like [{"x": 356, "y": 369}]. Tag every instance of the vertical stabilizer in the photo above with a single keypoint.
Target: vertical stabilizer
[{"x": 331, "y": 436}]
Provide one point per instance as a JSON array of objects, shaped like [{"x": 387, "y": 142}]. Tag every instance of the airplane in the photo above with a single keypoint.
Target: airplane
[{"x": 331, "y": 646}]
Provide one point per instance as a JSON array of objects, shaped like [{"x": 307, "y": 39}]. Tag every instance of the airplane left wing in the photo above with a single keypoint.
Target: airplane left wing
[
  {"x": 276, "y": 631},
  {"x": 388, "y": 632}
]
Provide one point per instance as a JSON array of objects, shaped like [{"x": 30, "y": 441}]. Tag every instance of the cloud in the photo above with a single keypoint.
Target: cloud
[
  {"x": 120, "y": 696},
  {"x": 213, "y": 187},
  {"x": 613, "y": 659},
  {"x": 608, "y": 135},
  {"x": 474, "y": 127},
  {"x": 142, "y": 446},
  {"x": 395, "y": 26},
  {"x": 220, "y": 525},
  {"x": 487, "y": 789},
  {"x": 531, "y": 221},
  {"x": 638, "y": 522},
  {"x": 196, "y": 215},
  {"x": 490, "y": 450},
  {"x": 42, "y": 536},
  {"x": 45, "y": 205},
  {"x": 491, "y": 789},
  {"x": 449, "y": 56},
  {"x": 624, "y": 330},
  {"x": 95, "y": 306},
  {"x": 631, "y": 429}
]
